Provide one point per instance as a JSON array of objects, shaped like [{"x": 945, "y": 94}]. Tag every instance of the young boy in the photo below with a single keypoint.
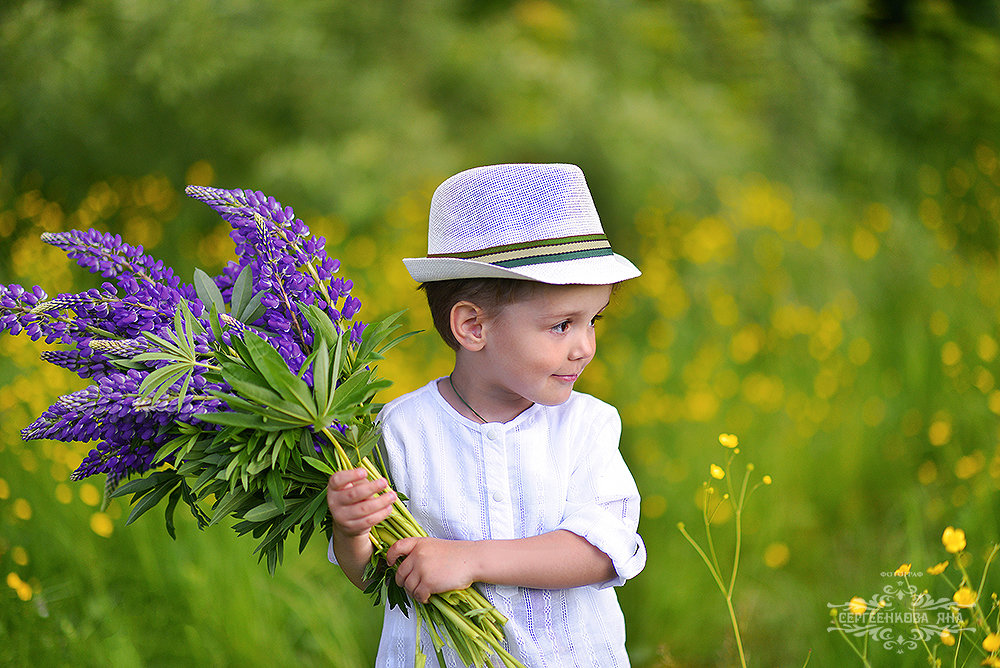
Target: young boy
[{"x": 518, "y": 478}]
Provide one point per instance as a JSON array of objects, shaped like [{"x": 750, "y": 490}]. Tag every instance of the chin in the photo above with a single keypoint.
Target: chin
[{"x": 554, "y": 400}]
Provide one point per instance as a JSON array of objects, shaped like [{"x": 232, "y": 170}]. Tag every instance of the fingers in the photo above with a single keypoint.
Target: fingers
[
  {"x": 399, "y": 550},
  {"x": 357, "y": 503},
  {"x": 352, "y": 486},
  {"x": 409, "y": 577}
]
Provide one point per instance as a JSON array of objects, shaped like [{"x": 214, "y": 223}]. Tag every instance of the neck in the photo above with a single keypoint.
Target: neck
[{"x": 475, "y": 399}]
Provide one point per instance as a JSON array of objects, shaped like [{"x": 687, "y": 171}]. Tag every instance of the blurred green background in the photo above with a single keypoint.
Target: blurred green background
[{"x": 811, "y": 189}]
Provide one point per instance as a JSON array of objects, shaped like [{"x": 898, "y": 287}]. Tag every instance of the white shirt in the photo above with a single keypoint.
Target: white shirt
[{"x": 551, "y": 467}]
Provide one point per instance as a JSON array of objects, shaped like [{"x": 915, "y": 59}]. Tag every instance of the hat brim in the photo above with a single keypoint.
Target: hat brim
[{"x": 603, "y": 270}]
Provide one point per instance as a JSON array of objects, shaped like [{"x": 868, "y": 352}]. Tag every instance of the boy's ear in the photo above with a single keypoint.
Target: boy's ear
[{"x": 467, "y": 325}]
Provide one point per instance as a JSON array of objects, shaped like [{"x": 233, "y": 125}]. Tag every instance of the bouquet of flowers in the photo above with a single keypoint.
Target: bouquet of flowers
[{"x": 238, "y": 394}]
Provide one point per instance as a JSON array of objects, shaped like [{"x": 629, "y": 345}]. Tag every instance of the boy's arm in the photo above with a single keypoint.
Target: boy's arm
[
  {"x": 356, "y": 506},
  {"x": 554, "y": 560}
]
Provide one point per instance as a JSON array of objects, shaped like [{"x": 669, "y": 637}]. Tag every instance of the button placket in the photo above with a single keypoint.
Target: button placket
[
  {"x": 498, "y": 485},
  {"x": 497, "y": 495}
]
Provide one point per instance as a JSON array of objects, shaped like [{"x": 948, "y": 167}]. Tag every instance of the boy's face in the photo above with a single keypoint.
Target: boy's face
[{"x": 537, "y": 347}]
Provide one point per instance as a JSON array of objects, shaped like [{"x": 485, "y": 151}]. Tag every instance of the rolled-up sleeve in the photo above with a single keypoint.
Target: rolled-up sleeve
[{"x": 602, "y": 504}]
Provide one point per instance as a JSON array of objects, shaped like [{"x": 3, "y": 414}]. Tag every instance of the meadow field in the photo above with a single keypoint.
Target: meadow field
[{"x": 812, "y": 194}]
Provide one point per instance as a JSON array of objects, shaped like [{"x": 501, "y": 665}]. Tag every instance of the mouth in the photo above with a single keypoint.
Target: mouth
[{"x": 569, "y": 378}]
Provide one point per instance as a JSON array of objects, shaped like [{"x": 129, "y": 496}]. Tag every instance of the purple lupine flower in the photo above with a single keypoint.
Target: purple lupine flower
[
  {"x": 144, "y": 279},
  {"x": 287, "y": 264},
  {"x": 106, "y": 325},
  {"x": 130, "y": 428}
]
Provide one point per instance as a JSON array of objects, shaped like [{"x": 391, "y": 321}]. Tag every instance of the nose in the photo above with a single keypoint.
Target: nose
[{"x": 584, "y": 345}]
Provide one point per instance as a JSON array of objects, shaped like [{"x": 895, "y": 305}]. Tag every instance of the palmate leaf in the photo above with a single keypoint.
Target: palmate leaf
[
  {"x": 357, "y": 391},
  {"x": 372, "y": 339},
  {"x": 263, "y": 466},
  {"x": 274, "y": 369},
  {"x": 157, "y": 382},
  {"x": 266, "y": 402},
  {"x": 181, "y": 353}
]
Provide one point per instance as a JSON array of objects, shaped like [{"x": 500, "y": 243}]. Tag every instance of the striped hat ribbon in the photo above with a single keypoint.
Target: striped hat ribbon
[{"x": 538, "y": 252}]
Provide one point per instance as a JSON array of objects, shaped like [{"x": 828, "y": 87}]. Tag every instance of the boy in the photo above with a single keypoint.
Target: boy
[{"x": 518, "y": 478}]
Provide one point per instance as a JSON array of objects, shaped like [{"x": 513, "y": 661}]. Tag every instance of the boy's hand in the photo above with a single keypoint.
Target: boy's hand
[
  {"x": 432, "y": 565},
  {"x": 353, "y": 503}
]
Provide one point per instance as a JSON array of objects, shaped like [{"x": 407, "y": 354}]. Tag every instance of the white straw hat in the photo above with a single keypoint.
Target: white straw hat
[{"x": 531, "y": 221}]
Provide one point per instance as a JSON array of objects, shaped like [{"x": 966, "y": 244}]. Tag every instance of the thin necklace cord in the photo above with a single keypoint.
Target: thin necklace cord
[{"x": 466, "y": 403}]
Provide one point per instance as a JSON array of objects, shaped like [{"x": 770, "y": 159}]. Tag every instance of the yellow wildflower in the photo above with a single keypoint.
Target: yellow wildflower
[
  {"x": 937, "y": 569},
  {"x": 991, "y": 642},
  {"x": 717, "y": 472},
  {"x": 947, "y": 638},
  {"x": 991, "y": 661},
  {"x": 766, "y": 480},
  {"x": 857, "y": 606},
  {"x": 953, "y": 539},
  {"x": 965, "y": 597},
  {"x": 904, "y": 569},
  {"x": 729, "y": 440}
]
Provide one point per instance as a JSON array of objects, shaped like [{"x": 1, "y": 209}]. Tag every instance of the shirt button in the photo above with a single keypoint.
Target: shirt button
[
  {"x": 498, "y": 497},
  {"x": 492, "y": 434}
]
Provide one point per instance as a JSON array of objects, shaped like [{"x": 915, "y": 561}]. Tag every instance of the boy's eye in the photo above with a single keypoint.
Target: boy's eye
[{"x": 562, "y": 326}]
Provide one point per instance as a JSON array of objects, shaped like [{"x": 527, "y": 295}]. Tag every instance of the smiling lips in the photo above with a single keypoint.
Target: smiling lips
[{"x": 569, "y": 378}]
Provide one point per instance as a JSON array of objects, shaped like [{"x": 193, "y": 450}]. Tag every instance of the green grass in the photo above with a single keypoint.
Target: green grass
[{"x": 138, "y": 598}]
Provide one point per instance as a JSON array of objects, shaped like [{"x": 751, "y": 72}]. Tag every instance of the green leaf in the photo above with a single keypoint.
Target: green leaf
[
  {"x": 208, "y": 291},
  {"x": 142, "y": 485},
  {"x": 265, "y": 402},
  {"x": 396, "y": 341},
  {"x": 321, "y": 376},
  {"x": 233, "y": 420},
  {"x": 306, "y": 532},
  {"x": 168, "y": 512},
  {"x": 159, "y": 381},
  {"x": 183, "y": 391},
  {"x": 169, "y": 349},
  {"x": 263, "y": 512},
  {"x": 321, "y": 323},
  {"x": 319, "y": 465},
  {"x": 274, "y": 369},
  {"x": 180, "y": 338},
  {"x": 242, "y": 291},
  {"x": 230, "y": 503},
  {"x": 276, "y": 489},
  {"x": 375, "y": 333},
  {"x": 214, "y": 322},
  {"x": 151, "y": 499},
  {"x": 306, "y": 363},
  {"x": 338, "y": 361},
  {"x": 241, "y": 350},
  {"x": 253, "y": 310},
  {"x": 127, "y": 364},
  {"x": 356, "y": 390},
  {"x": 157, "y": 356},
  {"x": 191, "y": 327}
]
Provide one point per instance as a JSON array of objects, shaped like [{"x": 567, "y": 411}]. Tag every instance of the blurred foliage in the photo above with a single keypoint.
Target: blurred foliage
[{"x": 811, "y": 189}]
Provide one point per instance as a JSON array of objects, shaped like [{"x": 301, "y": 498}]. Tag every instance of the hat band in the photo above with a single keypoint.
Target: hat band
[{"x": 538, "y": 252}]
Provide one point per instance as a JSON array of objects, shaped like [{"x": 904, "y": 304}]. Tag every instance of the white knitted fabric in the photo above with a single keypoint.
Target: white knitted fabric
[{"x": 502, "y": 205}]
